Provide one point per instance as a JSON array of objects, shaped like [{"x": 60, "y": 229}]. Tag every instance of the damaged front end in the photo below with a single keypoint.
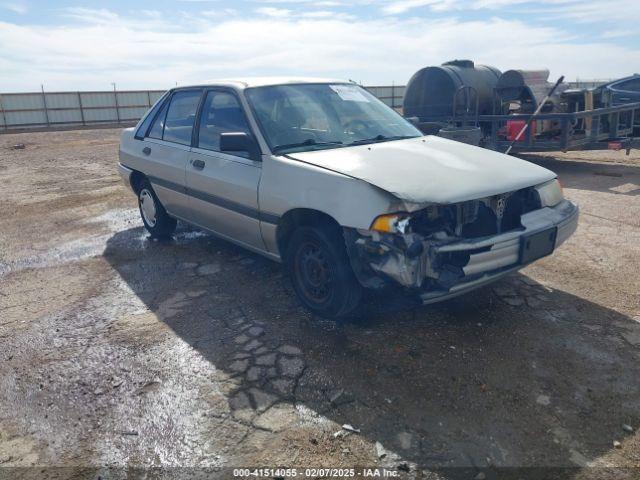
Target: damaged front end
[{"x": 444, "y": 250}]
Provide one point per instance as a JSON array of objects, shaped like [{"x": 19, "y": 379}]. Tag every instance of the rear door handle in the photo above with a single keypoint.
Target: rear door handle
[
  {"x": 146, "y": 150},
  {"x": 199, "y": 164}
]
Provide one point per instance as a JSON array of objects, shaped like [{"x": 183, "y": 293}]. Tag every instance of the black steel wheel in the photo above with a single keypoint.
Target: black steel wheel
[{"x": 321, "y": 273}]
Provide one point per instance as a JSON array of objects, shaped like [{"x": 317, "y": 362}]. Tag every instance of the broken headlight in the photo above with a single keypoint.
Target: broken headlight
[
  {"x": 550, "y": 193},
  {"x": 391, "y": 223},
  {"x": 426, "y": 221}
]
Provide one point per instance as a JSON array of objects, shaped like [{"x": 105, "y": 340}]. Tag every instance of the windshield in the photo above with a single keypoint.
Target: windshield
[{"x": 297, "y": 118}]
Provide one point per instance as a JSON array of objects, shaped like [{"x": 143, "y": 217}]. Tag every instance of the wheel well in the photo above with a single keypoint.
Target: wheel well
[
  {"x": 136, "y": 180},
  {"x": 300, "y": 217}
]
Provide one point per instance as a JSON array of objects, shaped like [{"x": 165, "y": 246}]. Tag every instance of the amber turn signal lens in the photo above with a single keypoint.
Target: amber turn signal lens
[{"x": 386, "y": 223}]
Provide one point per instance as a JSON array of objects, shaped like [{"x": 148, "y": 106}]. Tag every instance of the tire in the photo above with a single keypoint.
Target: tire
[
  {"x": 155, "y": 218},
  {"x": 320, "y": 271}
]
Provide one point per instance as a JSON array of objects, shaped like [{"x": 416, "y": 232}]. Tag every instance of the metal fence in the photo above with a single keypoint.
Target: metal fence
[
  {"x": 582, "y": 84},
  {"x": 39, "y": 110},
  {"x": 391, "y": 95},
  {"x": 68, "y": 109}
]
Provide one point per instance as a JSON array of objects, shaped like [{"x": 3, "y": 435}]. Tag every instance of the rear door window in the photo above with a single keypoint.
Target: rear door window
[{"x": 178, "y": 125}]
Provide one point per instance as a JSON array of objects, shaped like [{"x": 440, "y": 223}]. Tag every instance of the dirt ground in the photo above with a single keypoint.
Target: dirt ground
[{"x": 119, "y": 353}]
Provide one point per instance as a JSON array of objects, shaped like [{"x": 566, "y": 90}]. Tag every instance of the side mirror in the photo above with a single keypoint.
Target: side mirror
[
  {"x": 415, "y": 121},
  {"x": 240, "y": 142}
]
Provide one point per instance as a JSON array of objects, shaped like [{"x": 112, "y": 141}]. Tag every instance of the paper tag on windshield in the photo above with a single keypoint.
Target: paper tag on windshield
[{"x": 349, "y": 93}]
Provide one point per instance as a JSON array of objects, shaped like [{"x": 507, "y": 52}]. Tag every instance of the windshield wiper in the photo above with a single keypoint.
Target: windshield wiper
[
  {"x": 381, "y": 138},
  {"x": 309, "y": 142}
]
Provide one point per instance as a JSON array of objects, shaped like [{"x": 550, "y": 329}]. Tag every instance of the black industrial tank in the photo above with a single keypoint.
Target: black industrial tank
[{"x": 429, "y": 93}]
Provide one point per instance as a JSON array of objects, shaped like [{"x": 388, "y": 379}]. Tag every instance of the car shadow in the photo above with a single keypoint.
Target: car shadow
[
  {"x": 515, "y": 374},
  {"x": 615, "y": 178}
]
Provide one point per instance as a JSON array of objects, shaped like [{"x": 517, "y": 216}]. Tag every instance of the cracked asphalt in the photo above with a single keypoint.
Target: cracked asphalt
[{"x": 119, "y": 353}]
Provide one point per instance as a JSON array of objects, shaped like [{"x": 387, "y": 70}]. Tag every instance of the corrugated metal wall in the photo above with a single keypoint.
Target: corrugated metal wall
[
  {"x": 390, "y": 94},
  {"x": 68, "y": 109}
]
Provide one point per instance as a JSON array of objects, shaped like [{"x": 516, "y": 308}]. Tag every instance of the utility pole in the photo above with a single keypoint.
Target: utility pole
[
  {"x": 81, "y": 110},
  {"x": 115, "y": 97},
  {"x": 393, "y": 94},
  {"x": 44, "y": 103},
  {"x": 4, "y": 117}
]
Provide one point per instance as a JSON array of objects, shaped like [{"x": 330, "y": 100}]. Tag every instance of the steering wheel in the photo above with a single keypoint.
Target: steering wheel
[{"x": 276, "y": 131}]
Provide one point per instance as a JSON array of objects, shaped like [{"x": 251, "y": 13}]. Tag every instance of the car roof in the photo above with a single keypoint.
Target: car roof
[
  {"x": 613, "y": 83},
  {"x": 249, "y": 82}
]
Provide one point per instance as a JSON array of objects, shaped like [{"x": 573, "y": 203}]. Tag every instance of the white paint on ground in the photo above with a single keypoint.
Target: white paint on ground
[{"x": 625, "y": 188}]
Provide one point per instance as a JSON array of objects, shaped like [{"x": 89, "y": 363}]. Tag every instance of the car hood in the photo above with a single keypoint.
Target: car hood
[{"x": 430, "y": 169}]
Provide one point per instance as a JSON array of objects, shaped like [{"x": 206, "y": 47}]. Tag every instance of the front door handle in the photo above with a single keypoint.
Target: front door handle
[
  {"x": 199, "y": 164},
  {"x": 146, "y": 150}
]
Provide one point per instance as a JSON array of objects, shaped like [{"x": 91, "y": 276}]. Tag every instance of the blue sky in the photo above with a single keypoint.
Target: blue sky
[{"x": 86, "y": 45}]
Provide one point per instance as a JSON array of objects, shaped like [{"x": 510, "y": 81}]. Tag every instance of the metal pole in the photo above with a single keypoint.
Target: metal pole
[
  {"x": 4, "y": 117},
  {"x": 115, "y": 96},
  {"x": 81, "y": 110},
  {"x": 538, "y": 110},
  {"x": 44, "y": 102},
  {"x": 564, "y": 135},
  {"x": 149, "y": 98},
  {"x": 393, "y": 95},
  {"x": 614, "y": 124}
]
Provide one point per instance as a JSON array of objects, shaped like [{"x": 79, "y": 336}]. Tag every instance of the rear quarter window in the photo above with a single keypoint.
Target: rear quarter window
[
  {"x": 158, "y": 125},
  {"x": 146, "y": 123}
]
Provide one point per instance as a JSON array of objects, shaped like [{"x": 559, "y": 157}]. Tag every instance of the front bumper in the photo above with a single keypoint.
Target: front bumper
[
  {"x": 503, "y": 255},
  {"x": 439, "y": 274}
]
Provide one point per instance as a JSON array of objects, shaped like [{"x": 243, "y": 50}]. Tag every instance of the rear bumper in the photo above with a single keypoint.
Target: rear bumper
[
  {"x": 500, "y": 255},
  {"x": 125, "y": 174}
]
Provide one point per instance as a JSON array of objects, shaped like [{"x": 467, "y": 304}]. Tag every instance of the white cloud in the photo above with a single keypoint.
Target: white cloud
[
  {"x": 619, "y": 33},
  {"x": 403, "y": 6},
  {"x": 327, "y": 14},
  {"x": 495, "y": 4},
  {"x": 219, "y": 13},
  {"x": 100, "y": 47},
  {"x": 274, "y": 12},
  {"x": 320, "y": 14},
  {"x": 15, "y": 7},
  {"x": 282, "y": 13},
  {"x": 580, "y": 11},
  {"x": 318, "y": 3},
  {"x": 92, "y": 15},
  {"x": 592, "y": 11}
]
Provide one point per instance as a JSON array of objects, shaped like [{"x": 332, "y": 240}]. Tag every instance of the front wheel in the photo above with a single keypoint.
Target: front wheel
[
  {"x": 155, "y": 218},
  {"x": 319, "y": 268}
]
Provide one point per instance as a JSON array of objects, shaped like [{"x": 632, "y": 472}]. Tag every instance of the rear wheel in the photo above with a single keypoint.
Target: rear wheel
[
  {"x": 155, "y": 218},
  {"x": 319, "y": 268}
]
